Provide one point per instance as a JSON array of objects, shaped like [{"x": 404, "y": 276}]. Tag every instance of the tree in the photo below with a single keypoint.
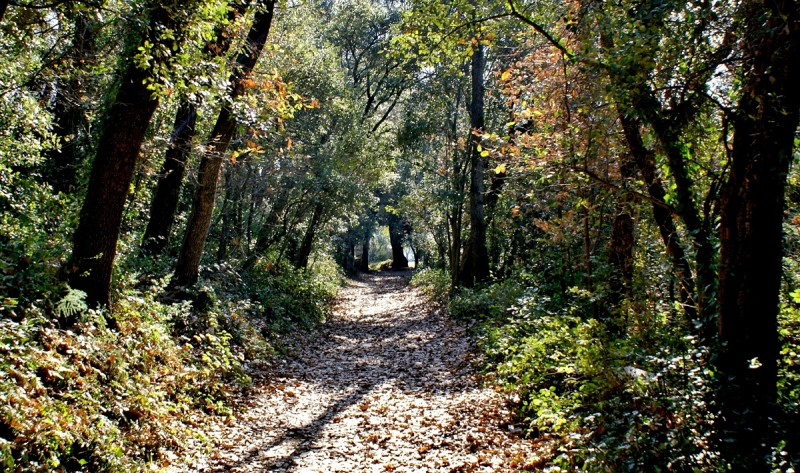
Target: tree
[
  {"x": 188, "y": 265},
  {"x": 90, "y": 265},
  {"x": 752, "y": 206},
  {"x": 475, "y": 261},
  {"x": 170, "y": 177}
]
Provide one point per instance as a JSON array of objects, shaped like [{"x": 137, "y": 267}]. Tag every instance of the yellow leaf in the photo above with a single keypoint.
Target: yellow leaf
[
  {"x": 500, "y": 169},
  {"x": 506, "y": 75},
  {"x": 289, "y": 144}
]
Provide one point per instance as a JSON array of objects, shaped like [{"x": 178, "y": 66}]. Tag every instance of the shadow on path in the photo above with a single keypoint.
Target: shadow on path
[{"x": 385, "y": 385}]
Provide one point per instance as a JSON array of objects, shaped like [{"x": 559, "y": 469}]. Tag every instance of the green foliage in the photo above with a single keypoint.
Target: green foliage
[
  {"x": 287, "y": 296},
  {"x": 789, "y": 361},
  {"x": 638, "y": 403},
  {"x": 435, "y": 283},
  {"x": 488, "y": 303},
  {"x": 95, "y": 398}
]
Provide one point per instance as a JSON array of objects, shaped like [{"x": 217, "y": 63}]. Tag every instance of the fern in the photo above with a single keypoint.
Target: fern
[{"x": 74, "y": 302}]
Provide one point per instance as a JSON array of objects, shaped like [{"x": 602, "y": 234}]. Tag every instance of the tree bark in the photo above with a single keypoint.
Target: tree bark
[
  {"x": 303, "y": 252},
  {"x": 68, "y": 113},
  {"x": 364, "y": 263},
  {"x": 751, "y": 226},
  {"x": 620, "y": 254},
  {"x": 95, "y": 240},
  {"x": 188, "y": 266},
  {"x": 475, "y": 261},
  {"x": 167, "y": 193},
  {"x": 396, "y": 238}
]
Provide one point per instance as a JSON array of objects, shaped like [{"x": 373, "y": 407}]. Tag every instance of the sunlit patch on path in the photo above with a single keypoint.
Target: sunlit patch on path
[{"x": 387, "y": 385}]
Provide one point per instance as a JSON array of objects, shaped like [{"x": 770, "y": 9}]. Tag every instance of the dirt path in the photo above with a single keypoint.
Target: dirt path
[{"x": 387, "y": 385}]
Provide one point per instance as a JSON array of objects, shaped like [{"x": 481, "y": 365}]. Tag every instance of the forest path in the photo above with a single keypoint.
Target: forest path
[{"x": 386, "y": 385}]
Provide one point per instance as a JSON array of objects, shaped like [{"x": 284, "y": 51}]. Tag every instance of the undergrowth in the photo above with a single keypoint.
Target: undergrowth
[
  {"x": 642, "y": 401},
  {"x": 123, "y": 390}
]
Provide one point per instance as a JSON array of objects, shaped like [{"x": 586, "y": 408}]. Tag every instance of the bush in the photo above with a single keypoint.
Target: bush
[
  {"x": 286, "y": 296},
  {"x": 486, "y": 303},
  {"x": 435, "y": 283},
  {"x": 611, "y": 404},
  {"x": 93, "y": 398}
]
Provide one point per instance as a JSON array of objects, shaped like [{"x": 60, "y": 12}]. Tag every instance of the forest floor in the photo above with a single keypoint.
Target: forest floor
[{"x": 387, "y": 384}]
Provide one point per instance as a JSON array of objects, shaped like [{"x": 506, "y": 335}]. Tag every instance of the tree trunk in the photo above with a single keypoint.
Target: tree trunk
[
  {"x": 303, "y": 252},
  {"x": 620, "y": 254},
  {"x": 3, "y": 7},
  {"x": 705, "y": 280},
  {"x": 226, "y": 211},
  {"x": 95, "y": 240},
  {"x": 396, "y": 238},
  {"x": 364, "y": 263},
  {"x": 621, "y": 247},
  {"x": 750, "y": 228},
  {"x": 188, "y": 266},
  {"x": 475, "y": 261},
  {"x": 645, "y": 163},
  {"x": 266, "y": 235},
  {"x": 68, "y": 113},
  {"x": 167, "y": 193}
]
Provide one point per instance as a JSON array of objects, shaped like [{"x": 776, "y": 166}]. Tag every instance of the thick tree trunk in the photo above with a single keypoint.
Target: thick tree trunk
[
  {"x": 3, "y": 7},
  {"x": 167, "y": 193},
  {"x": 194, "y": 241},
  {"x": 475, "y": 261},
  {"x": 750, "y": 227},
  {"x": 95, "y": 241},
  {"x": 396, "y": 238}
]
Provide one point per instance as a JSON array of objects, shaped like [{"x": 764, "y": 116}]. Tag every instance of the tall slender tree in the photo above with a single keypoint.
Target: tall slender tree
[
  {"x": 167, "y": 193},
  {"x": 475, "y": 261},
  {"x": 188, "y": 266}
]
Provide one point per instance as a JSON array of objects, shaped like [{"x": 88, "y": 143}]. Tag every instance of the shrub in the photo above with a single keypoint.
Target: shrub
[
  {"x": 286, "y": 296},
  {"x": 486, "y": 303},
  {"x": 435, "y": 283},
  {"x": 612, "y": 404},
  {"x": 94, "y": 398}
]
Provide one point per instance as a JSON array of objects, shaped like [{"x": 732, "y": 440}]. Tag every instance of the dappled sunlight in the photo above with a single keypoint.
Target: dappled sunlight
[{"x": 387, "y": 385}]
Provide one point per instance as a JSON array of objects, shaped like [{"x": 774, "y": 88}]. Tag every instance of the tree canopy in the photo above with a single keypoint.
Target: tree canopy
[{"x": 601, "y": 188}]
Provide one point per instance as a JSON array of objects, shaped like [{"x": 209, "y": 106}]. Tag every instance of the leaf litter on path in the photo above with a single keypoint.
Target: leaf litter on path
[{"x": 387, "y": 385}]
